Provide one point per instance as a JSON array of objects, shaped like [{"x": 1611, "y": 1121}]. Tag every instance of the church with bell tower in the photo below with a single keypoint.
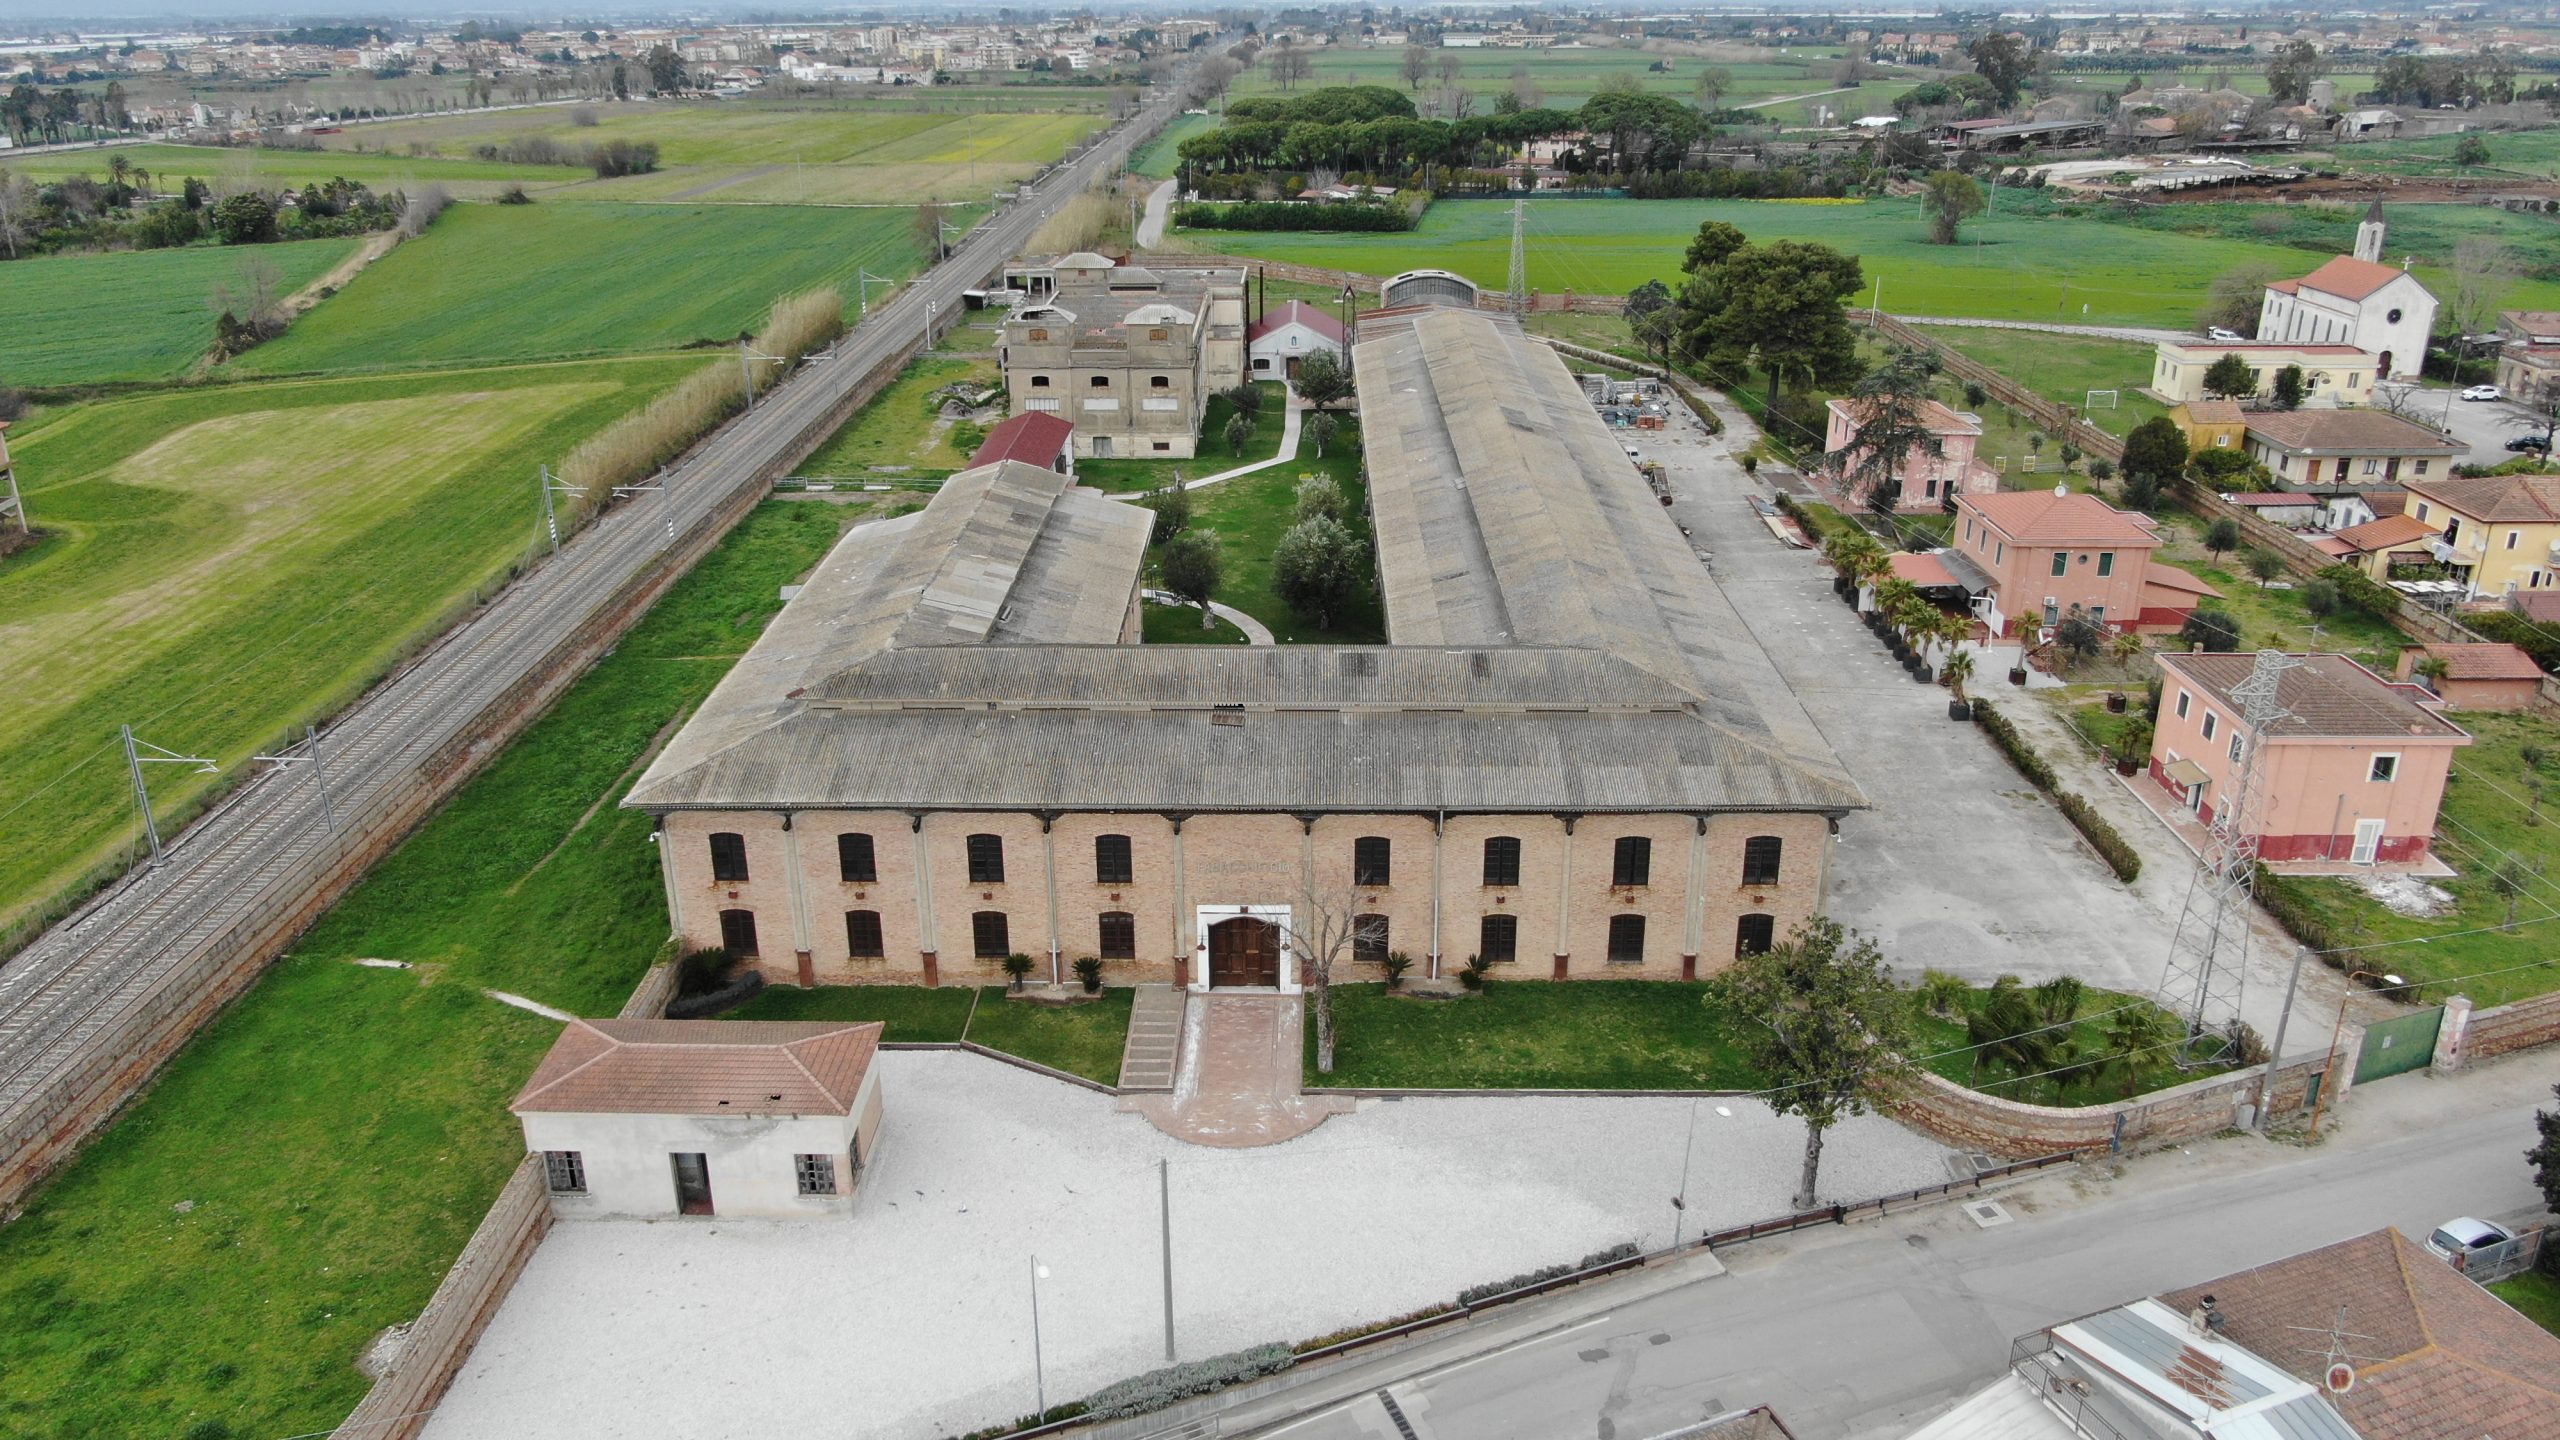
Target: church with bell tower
[{"x": 2358, "y": 300}]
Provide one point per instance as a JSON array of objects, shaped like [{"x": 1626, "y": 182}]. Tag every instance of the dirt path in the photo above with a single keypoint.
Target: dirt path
[{"x": 374, "y": 248}]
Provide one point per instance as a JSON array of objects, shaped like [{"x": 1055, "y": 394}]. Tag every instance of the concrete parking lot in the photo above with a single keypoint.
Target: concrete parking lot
[
  {"x": 1961, "y": 865},
  {"x": 2484, "y": 425}
]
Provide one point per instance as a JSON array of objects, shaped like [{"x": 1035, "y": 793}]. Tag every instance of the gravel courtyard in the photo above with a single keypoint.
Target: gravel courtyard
[{"x": 913, "y": 1318}]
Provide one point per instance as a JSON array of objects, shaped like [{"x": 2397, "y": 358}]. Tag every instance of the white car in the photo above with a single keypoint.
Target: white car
[
  {"x": 2484, "y": 392},
  {"x": 2455, "y": 1239},
  {"x": 2227, "y": 337}
]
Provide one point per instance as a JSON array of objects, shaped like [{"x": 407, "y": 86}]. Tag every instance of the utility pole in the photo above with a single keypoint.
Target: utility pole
[
  {"x": 134, "y": 760},
  {"x": 1164, "y": 1210},
  {"x": 942, "y": 236},
  {"x": 319, "y": 771},
  {"x": 550, "y": 516},
  {"x": 866, "y": 280},
  {"x": 1519, "y": 257},
  {"x": 13, "y": 505},
  {"x": 667, "y": 500}
]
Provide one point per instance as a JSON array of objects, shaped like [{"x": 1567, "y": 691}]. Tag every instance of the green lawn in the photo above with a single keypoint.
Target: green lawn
[
  {"x": 1252, "y": 512},
  {"x": 234, "y": 560},
  {"x": 1126, "y": 477},
  {"x": 902, "y": 426},
  {"x": 311, "y": 1163},
  {"x": 1567, "y": 77},
  {"x": 2488, "y": 812},
  {"x": 2065, "y": 368},
  {"x": 1944, "y": 1049},
  {"x": 2272, "y": 617},
  {"x": 2536, "y": 1295},
  {"x": 2009, "y": 266},
  {"x": 1159, "y": 158},
  {"x": 1180, "y": 625},
  {"x": 246, "y": 167},
  {"x": 1526, "y": 1034},
  {"x": 1084, "y": 1039},
  {"x": 141, "y": 315},
  {"x": 518, "y": 282}
]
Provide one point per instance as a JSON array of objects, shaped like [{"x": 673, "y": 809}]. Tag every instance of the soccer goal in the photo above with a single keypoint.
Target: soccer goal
[{"x": 2100, "y": 399}]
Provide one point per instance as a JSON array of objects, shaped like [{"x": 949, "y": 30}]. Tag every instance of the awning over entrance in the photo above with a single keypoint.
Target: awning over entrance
[{"x": 2187, "y": 772}]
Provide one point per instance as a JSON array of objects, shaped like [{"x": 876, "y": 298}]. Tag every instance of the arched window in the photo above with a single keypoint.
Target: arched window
[
  {"x": 1754, "y": 934},
  {"x": 986, "y": 859},
  {"x": 854, "y": 860},
  {"x": 1633, "y": 864},
  {"x": 862, "y": 934},
  {"x": 738, "y": 932},
  {"x": 1369, "y": 860},
  {"x": 1119, "y": 935},
  {"x": 1159, "y": 382},
  {"x": 1626, "y": 939},
  {"x": 1111, "y": 862},
  {"x": 1100, "y": 382},
  {"x": 1760, "y": 857},
  {"x": 1502, "y": 860},
  {"x": 1498, "y": 939},
  {"x": 992, "y": 937},
  {"x": 1369, "y": 939},
  {"x": 728, "y": 856}
]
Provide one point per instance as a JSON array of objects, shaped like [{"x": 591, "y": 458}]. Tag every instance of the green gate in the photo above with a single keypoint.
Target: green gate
[{"x": 2403, "y": 1043}]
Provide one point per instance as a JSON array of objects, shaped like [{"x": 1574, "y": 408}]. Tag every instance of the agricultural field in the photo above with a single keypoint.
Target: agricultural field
[
  {"x": 780, "y": 152},
  {"x": 2079, "y": 270},
  {"x": 491, "y": 283},
  {"x": 2065, "y": 368},
  {"x": 70, "y": 320},
  {"x": 1159, "y": 158},
  {"x": 2535, "y": 153},
  {"x": 2319, "y": 229},
  {"x": 230, "y": 561},
  {"x": 238, "y": 168},
  {"x": 1567, "y": 77},
  {"x": 311, "y": 1163}
]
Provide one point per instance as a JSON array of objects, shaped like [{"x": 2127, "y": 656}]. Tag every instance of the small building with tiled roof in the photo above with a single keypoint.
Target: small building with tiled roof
[
  {"x": 2435, "y": 1357},
  {"x": 704, "y": 1117},
  {"x": 1032, "y": 438},
  {"x": 2210, "y": 424},
  {"x": 1287, "y": 334},
  {"x": 2499, "y": 532},
  {"x": 2376, "y": 545},
  {"x": 2355, "y": 300},
  {"x": 2478, "y": 675},
  {"x": 2050, "y": 552},
  {"x": 2333, "y": 451},
  {"x": 2529, "y": 354},
  {"x": 2353, "y": 772}
]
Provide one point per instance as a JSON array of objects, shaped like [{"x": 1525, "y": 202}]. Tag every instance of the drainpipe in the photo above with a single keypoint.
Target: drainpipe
[
  {"x": 1439, "y": 835},
  {"x": 1049, "y": 867}
]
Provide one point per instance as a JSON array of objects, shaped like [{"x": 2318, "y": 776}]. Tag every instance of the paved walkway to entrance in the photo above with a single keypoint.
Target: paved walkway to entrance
[{"x": 1237, "y": 1084}]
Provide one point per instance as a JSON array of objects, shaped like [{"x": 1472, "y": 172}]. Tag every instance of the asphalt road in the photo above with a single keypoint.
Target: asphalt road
[
  {"x": 97, "y": 990},
  {"x": 1864, "y": 1333}
]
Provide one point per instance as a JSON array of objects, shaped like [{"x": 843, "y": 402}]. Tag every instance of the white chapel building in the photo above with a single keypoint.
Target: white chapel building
[{"x": 2355, "y": 300}]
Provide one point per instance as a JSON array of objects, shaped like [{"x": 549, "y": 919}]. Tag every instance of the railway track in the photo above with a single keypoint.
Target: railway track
[{"x": 92, "y": 1007}]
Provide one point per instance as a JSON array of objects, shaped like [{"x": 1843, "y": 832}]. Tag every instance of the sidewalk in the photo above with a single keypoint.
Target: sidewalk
[{"x": 1289, "y": 428}]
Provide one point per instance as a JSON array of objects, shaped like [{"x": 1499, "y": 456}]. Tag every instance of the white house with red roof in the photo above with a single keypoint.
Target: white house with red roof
[
  {"x": 704, "y": 1117},
  {"x": 2354, "y": 300},
  {"x": 1288, "y": 333}
]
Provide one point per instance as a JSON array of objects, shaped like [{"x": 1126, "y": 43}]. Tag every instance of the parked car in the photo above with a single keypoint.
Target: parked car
[
  {"x": 2216, "y": 332},
  {"x": 2530, "y": 444},
  {"x": 2454, "y": 1240},
  {"x": 2484, "y": 392}
]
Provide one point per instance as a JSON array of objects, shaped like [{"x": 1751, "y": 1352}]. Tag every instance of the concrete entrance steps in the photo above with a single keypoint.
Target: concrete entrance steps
[
  {"x": 1237, "y": 1082},
  {"x": 1155, "y": 1039}
]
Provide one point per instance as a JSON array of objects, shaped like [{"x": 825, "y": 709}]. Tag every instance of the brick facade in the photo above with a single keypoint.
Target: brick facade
[{"x": 1692, "y": 899}]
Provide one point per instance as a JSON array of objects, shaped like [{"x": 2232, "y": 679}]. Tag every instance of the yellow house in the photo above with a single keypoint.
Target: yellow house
[
  {"x": 2331, "y": 374},
  {"x": 2499, "y": 532},
  {"x": 2210, "y": 424}
]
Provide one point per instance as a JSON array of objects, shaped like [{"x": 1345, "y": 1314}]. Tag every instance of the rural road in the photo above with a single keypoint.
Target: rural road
[
  {"x": 85, "y": 1009},
  {"x": 1151, "y": 224},
  {"x": 2098, "y": 332},
  {"x": 1863, "y": 1332}
]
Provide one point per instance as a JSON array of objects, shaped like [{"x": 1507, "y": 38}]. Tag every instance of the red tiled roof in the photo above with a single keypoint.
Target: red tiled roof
[
  {"x": 1920, "y": 568},
  {"x": 702, "y": 1067},
  {"x": 2498, "y": 499},
  {"x": 2033, "y": 517},
  {"x": 2538, "y": 604},
  {"x": 1939, "y": 419},
  {"x": 2486, "y": 660},
  {"x": 2213, "y": 412},
  {"x": 2275, "y": 500},
  {"x": 2330, "y": 697},
  {"x": 2332, "y": 431},
  {"x": 2349, "y": 278},
  {"x": 2383, "y": 533},
  {"x": 2170, "y": 577},
  {"x": 1033, "y": 437},
  {"x": 2436, "y": 1356},
  {"x": 2330, "y": 545},
  {"x": 1297, "y": 312}
]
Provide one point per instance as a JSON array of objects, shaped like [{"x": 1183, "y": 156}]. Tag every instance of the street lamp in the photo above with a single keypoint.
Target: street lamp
[
  {"x": 1039, "y": 1375},
  {"x": 1688, "y": 1146}
]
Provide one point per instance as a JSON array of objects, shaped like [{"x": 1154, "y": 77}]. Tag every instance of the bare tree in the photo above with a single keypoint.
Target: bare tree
[
  {"x": 1328, "y": 927},
  {"x": 17, "y": 209},
  {"x": 253, "y": 293},
  {"x": 2482, "y": 268},
  {"x": 1523, "y": 88}
]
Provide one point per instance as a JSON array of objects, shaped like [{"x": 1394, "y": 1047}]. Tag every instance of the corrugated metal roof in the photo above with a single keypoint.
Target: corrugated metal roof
[{"x": 2224, "y": 1391}]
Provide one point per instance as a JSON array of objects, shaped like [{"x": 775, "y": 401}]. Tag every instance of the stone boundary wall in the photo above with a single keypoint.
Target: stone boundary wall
[
  {"x": 1970, "y": 1120},
  {"x": 2509, "y": 1028},
  {"x": 440, "y": 1339},
  {"x": 649, "y": 998},
  {"x": 124, "y": 1058},
  {"x": 1540, "y": 302}
]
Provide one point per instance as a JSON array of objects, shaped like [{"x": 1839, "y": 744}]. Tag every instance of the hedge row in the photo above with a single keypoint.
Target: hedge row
[
  {"x": 2276, "y": 895},
  {"x": 1287, "y": 215},
  {"x": 1158, "y": 1388},
  {"x": 1478, "y": 1294},
  {"x": 2110, "y": 845}
]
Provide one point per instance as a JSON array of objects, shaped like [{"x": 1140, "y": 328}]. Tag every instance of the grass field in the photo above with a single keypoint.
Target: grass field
[
  {"x": 2065, "y": 368},
  {"x": 902, "y": 427},
  {"x": 2534, "y": 1294},
  {"x": 310, "y": 1164},
  {"x": 235, "y": 559},
  {"x": 1084, "y": 1039},
  {"x": 1159, "y": 158},
  {"x": 1180, "y": 625},
  {"x": 2275, "y": 619},
  {"x": 1566, "y": 77},
  {"x": 2076, "y": 270},
  {"x": 520, "y": 282},
  {"x": 244, "y": 167},
  {"x": 1252, "y": 512},
  {"x": 1622, "y": 1035},
  {"x": 94, "y": 319},
  {"x": 2488, "y": 813},
  {"x": 1128, "y": 477}
]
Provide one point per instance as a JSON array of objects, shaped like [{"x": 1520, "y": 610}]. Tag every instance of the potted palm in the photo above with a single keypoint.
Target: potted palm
[
  {"x": 1957, "y": 670},
  {"x": 2026, "y": 642},
  {"x": 2133, "y": 746}
]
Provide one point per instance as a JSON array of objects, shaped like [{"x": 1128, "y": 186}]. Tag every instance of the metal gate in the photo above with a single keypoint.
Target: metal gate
[{"x": 2403, "y": 1043}]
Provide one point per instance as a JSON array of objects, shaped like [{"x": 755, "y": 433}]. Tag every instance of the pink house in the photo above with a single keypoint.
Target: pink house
[
  {"x": 2354, "y": 773},
  {"x": 2048, "y": 551},
  {"x": 1924, "y": 482}
]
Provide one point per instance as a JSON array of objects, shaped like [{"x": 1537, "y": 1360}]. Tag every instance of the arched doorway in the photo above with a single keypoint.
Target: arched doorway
[
  {"x": 2383, "y": 370},
  {"x": 1244, "y": 951}
]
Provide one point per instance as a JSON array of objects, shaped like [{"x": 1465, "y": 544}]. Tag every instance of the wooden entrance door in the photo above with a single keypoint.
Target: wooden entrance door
[
  {"x": 693, "y": 1184},
  {"x": 1244, "y": 951}
]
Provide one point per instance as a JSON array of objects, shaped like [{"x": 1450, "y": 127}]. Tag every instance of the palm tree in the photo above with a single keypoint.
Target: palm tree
[{"x": 2135, "y": 1033}]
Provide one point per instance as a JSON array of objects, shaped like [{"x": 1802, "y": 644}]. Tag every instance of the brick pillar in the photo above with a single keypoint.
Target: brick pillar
[{"x": 2453, "y": 1040}]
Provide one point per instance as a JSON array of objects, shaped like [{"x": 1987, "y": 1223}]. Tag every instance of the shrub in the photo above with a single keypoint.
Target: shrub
[
  {"x": 2283, "y": 903},
  {"x": 2102, "y": 836},
  {"x": 1353, "y": 1332},
  {"x": 622, "y": 157},
  {"x": 1319, "y": 495},
  {"x": 514, "y": 195},
  {"x": 1475, "y": 972},
  {"x": 2213, "y": 629},
  {"x": 1285, "y": 215},
  {"x": 2362, "y": 591},
  {"x": 1156, "y": 1389},
  {"x": 1089, "y": 973},
  {"x": 2320, "y": 598},
  {"x": 422, "y": 209},
  {"x": 1396, "y": 963},
  {"x": 1017, "y": 967},
  {"x": 1478, "y": 1294},
  {"x": 2535, "y": 640},
  {"x": 1940, "y": 993},
  {"x": 699, "y": 972}
]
